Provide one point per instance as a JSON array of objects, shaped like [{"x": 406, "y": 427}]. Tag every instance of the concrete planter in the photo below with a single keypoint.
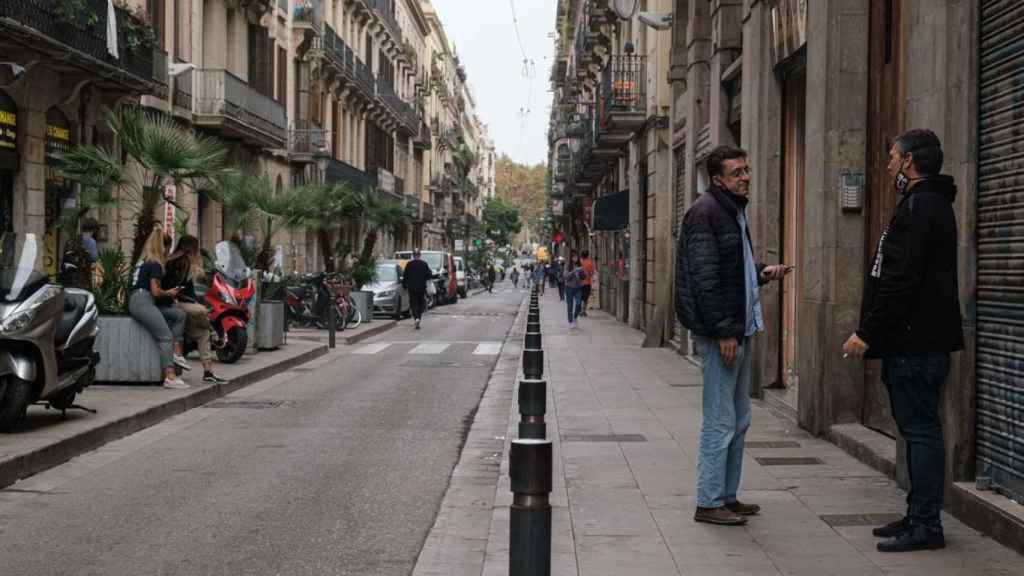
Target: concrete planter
[
  {"x": 128, "y": 353},
  {"x": 364, "y": 303},
  {"x": 271, "y": 328}
]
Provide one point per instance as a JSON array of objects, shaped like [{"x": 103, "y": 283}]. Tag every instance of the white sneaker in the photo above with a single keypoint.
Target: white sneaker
[
  {"x": 180, "y": 362},
  {"x": 176, "y": 384}
]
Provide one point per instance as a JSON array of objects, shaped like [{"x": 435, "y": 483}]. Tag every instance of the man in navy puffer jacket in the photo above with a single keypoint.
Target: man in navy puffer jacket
[{"x": 717, "y": 299}]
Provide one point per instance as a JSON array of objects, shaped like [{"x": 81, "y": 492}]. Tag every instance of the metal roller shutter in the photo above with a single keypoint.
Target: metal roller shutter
[
  {"x": 1000, "y": 220},
  {"x": 679, "y": 211}
]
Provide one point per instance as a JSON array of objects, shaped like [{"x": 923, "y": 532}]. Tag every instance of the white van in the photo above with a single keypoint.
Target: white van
[{"x": 461, "y": 280}]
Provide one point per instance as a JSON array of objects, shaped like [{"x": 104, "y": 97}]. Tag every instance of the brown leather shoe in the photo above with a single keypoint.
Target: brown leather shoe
[
  {"x": 722, "y": 516},
  {"x": 742, "y": 509}
]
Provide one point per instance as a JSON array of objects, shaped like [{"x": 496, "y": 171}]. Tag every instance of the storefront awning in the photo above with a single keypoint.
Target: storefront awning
[{"x": 611, "y": 212}]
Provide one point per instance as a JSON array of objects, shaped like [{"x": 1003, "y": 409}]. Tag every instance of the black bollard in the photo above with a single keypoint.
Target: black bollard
[
  {"x": 532, "y": 327},
  {"x": 533, "y": 363},
  {"x": 532, "y": 407},
  {"x": 530, "y": 518},
  {"x": 533, "y": 341},
  {"x": 332, "y": 324}
]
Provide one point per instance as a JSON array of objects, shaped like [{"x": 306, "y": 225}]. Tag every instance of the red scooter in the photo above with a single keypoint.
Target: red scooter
[{"x": 228, "y": 301}]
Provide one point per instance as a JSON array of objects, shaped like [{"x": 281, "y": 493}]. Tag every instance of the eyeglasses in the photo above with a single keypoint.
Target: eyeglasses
[{"x": 741, "y": 172}]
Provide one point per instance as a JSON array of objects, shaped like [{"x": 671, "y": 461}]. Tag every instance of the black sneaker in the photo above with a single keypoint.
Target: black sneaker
[
  {"x": 211, "y": 378},
  {"x": 913, "y": 539},
  {"x": 892, "y": 529}
]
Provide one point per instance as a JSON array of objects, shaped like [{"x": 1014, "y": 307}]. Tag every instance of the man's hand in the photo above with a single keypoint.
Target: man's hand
[
  {"x": 776, "y": 272},
  {"x": 855, "y": 347},
  {"x": 727, "y": 348}
]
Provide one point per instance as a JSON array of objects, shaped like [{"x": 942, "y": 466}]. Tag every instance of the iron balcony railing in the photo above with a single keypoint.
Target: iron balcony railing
[
  {"x": 399, "y": 186},
  {"x": 337, "y": 51},
  {"x": 307, "y": 138},
  {"x": 307, "y": 12},
  {"x": 386, "y": 10},
  {"x": 624, "y": 85},
  {"x": 428, "y": 212},
  {"x": 365, "y": 77},
  {"x": 224, "y": 94},
  {"x": 404, "y": 110},
  {"x": 86, "y": 33},
  {"x": 338, "y": 171},
  {"x": 182, "y": 97}
]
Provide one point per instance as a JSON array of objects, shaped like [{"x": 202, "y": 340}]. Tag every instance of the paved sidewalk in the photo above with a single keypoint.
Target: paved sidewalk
[
  {"x": 46, "y": 439},
  {"x": 625, "y": 422}
]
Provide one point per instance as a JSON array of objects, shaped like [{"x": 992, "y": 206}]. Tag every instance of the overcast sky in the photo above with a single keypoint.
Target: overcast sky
[{"x": 485, "y": 39}]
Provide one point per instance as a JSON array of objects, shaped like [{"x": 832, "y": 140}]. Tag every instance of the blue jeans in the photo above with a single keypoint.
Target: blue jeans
[
  {"x": 914, "y": 384},
  {"x": 725, "y": 423},
  {"x": 572, "y": 302}
]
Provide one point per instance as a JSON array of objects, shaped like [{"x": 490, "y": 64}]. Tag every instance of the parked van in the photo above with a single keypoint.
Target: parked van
[{"x": 461, "y": 278}]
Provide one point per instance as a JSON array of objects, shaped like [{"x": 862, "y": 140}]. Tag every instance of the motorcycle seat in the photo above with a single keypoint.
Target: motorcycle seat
[
  {"x": 74, "y": 309},
  {"x": 298, "y": 291}
]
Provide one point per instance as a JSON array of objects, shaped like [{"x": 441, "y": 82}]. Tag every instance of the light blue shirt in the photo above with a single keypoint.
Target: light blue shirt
[{"x": 755, "y": 319}]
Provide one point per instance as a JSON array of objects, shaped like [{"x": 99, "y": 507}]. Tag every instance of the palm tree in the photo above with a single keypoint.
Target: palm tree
[
  {"x": 379, "y": 214},
  {"x": 321, "y": 207},
  {"x": 163, "y": 153}
]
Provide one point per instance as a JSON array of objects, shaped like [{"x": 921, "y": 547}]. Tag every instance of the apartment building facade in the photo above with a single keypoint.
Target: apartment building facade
[
  {"x": 815, "y": 92},
  {"x": 300, "y": 91}
]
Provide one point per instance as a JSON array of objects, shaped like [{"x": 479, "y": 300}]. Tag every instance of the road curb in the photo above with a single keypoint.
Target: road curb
[
  {"x": 25, "y": 465},
  {"x": 374, "y": 330}
]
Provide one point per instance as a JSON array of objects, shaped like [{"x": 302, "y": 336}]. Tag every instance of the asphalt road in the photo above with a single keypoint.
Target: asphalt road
[{"x": 336, "y": 467}]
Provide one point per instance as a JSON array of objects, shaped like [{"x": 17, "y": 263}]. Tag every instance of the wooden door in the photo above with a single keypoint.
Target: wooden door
[
  {"x": 885, "y": 123},
  {"x": 795, "y": 97}
]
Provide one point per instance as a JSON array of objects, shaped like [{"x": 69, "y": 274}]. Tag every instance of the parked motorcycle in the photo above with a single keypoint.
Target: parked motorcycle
[
  {"x": 47, "y": 334},
  {"x": 228, "y": 300}
]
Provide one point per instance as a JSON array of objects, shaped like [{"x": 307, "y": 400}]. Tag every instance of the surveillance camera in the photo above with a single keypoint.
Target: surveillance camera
[{"x": 656, "y": 20}]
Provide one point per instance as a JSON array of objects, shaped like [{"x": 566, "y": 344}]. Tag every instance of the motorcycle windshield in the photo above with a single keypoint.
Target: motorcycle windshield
[
  {"x": 20, "y": 266},
  {"x": 230, "y": 263}
]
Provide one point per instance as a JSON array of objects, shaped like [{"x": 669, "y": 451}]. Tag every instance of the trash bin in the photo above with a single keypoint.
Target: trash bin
[
  {"x": 364, "y": 303},
  {"x": 271, "y": 328}
]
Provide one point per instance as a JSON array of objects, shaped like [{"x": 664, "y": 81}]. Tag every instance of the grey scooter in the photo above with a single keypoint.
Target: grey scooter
[{"x": 47, "y": 334}]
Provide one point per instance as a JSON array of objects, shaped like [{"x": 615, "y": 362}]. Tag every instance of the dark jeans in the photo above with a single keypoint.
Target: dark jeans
[
  {"x": 417, "y": 303},
  {"x": 561, "y": 291},
  {"x": 585, "y": 295},
  {"x": 914, "y": 384}
]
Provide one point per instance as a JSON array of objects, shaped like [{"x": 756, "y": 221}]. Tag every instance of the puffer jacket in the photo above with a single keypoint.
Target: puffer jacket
[{"x": 711, "y": 288}]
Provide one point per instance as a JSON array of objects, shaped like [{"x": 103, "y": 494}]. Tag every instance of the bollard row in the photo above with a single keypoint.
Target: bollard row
[{"x": 530, "y": 461}]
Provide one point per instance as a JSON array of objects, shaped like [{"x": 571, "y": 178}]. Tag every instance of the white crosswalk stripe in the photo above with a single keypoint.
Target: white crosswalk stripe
[
  {"x": 487, "y": 349},
  {"x": 372, "y": 348},
  {"x": 430, "y": 348}
]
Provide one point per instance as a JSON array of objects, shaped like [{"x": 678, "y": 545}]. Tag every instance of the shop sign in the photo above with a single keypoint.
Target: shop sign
[
  {"x": 170, "y": 212},
  {"x": 386, "y": 180},
  {"x": 789, "y": 28},
  {"x": 58, "y": 139},
  {"x": 8, "y": 124}
]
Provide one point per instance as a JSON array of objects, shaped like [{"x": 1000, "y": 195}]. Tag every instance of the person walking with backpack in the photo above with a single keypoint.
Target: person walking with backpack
[
  {"x": 573, "y": 275},
  {"x": 717, "y": 300},
  {"x": 910, "y": 318}
]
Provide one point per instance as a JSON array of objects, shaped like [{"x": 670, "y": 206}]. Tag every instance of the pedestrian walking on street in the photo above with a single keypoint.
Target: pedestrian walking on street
[
  {"x": 538, "y": 278},
  {"x": 184, "y": 266},
  {"x": 515, "y": 276},
  {"x": 717, "y": 300},
  {"x": 588, "y": 267},
  {"x": 414, "y": 279},
  {"x": 573, "y": 275},
  {"x": 490, "y": 278},
  {"x": 165, "y": 323},
  {"x": 559, "y": 275},
  {"x": 910, "y": 318}
]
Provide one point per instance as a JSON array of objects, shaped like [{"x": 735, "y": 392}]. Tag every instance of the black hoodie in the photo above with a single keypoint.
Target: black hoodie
[{"x": 911, "y": 304}]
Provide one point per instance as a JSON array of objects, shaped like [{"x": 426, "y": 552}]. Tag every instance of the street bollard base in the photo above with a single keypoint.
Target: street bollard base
[
  {"x": 529, "y": 542},
  {"x": 533, "y": 364},
  {"x": 533, "y": 340}
]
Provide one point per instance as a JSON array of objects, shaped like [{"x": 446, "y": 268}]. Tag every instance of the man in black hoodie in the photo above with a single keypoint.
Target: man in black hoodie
[
  {"x": 414, "y": 278},
  {"x": 910, "y": 318}
]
